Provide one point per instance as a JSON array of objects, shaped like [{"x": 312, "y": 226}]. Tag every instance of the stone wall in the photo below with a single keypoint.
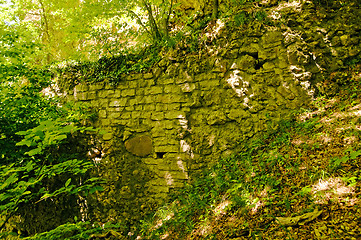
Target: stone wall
[{"x": 190, "y": 109}]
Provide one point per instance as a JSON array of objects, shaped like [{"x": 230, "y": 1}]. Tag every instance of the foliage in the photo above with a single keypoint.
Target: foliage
[
  {"x": 49, "y": 30},
  {"x": 349, "y": 154},
  {"x": 110, "y": 70},
  {"x": 38, "y": 160},
  {"x": 80, "y": 230}
]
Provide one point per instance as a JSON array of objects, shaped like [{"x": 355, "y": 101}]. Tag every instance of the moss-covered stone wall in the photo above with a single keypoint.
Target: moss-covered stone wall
[{"x": 190, "y": 109}]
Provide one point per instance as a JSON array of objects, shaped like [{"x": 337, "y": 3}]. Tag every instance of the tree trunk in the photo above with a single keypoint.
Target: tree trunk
[{"x": 215, "y": 4}]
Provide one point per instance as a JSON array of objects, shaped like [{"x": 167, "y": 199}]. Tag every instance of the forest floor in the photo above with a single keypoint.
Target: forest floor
[{"x": 301, "y": 181}]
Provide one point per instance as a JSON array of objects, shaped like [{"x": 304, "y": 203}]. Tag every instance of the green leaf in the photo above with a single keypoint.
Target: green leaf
[
  {"x": 27, "y": 193},
  {"x": 344, "y": 159},
  {"x": 12, "y": 179},
  {"x": 34, "y": 151},
  {"x": 46, "y": 195},
  {"x": 60, "y": 137},
  {"x": 22, "y": 133},
  {"x": 68, "y": 129},
  {"x": 68, "y": 182},
  {"x": 355, "y": 154}
]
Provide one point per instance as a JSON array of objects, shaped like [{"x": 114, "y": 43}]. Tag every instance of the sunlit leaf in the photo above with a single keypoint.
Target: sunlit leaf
[{"x": 67, "y": 182}]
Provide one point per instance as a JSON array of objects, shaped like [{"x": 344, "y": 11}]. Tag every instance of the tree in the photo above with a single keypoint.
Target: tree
[{"x": 82, "y": 30}]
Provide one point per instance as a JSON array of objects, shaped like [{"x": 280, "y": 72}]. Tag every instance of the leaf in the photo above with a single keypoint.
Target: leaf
[
  {"x": 13, "y": 178},
  {"x": 344, "y": 159},
  {"x": 95, "y": 189},
  {"x": 29, "y": 166},
  {"x": 68, "y": 129},
  {"x": 34, "y": 151},
  {"x": 299, "y": 220},
  {"x": 26, "y": 142},
  {"x": 22, "y": 133},
  {"x": 46, "y": 195},
  {"x": 355, "y": 154},
  {"x": 68, "y": 182},
  {"x": 60, "y": 137},
  {"x": 90, "y": 129}
]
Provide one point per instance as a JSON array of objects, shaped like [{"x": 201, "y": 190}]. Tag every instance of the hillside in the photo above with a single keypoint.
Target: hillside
[{"x": 301, "y": 181}]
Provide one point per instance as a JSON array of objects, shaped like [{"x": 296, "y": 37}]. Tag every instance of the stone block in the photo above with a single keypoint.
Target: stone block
[
  {"x": 126, "y": 115},
  {"x": 271, "y": 39},
  {"x": 118, "y": 103},
  {"x": 92, "y": 95},
  {"x": 160, "y": 107},
  {"x": 129, "y": 108},
  {"x": 165, "y": 125},
  {"x": 140, "y": 146},
  {"x": 178, "y": 175},
  {"x": 158, "y": 132},
  {"x": 113, "y": 115},
  {"x": 81, "y": 88},
  {"x": 172, "y": 89},
  {"x": 133, "y": 84},
  {"x": 154, "y": 90},
  {"x": 209, "y": 84},
  {"x": 173, "y": 114},
  {"x": 138, "y": 108},
  {"x": 132, "y": 102},
  {"x": 188, "y": 87},
  {"x": 82, "y": 96},
  {"x": 157, "y": 116},
  {"x": 152, "y": 161},
  {"x": 103, "y": 102},
  {"x": 128, "y": 92},
  {"x": 105, "y": 122},
  {"x": 96, "y": 86},
  {"x": 167, "y": 149},
  {"x": 105, "y": 93},
  {"x": 149, "y": 107},
  {"x": 244, "y": 63},
  {"x": 136, "y": 115},
  {"x": 268, "y": 66},
  {"x": 102, "y": 113},
  {"x": 147, "y": 75},
  {"x": 238, "y": 114},
  {"x": 216, "y": 118},
  {"x": 167, "y": 81},
  {"x": 173, "y": 106},
  {"x": 150, "y": 99},
  {"x": 107, "y": 136},
  {"x": 117, "y": 93}
]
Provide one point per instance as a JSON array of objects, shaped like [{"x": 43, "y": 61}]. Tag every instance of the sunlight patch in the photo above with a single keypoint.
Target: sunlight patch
[
  {"x": 334, "y": 189},
  {"x": 221, "y": 208},
  {"x": 168, "y": 178}
]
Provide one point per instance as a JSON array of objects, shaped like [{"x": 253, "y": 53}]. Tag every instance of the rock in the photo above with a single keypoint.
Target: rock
[
  {"x": 140, "y": 146},
  {"x": 245, "y": 62}
]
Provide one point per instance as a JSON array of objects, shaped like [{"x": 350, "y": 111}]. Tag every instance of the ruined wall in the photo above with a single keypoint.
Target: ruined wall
[{"x": 190, "y": 109}]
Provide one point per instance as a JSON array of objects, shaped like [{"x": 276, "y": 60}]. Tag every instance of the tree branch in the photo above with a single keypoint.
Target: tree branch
[{"x": 139, "y": 21}]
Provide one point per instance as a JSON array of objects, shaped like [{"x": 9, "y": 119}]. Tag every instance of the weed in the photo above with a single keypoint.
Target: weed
[{"x": 350, "y": 154}]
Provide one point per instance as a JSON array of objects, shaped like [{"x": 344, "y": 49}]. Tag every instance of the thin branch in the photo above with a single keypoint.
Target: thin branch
[
  {"x": 139, "y": 21},
  {"x": 153, "y": 23}
]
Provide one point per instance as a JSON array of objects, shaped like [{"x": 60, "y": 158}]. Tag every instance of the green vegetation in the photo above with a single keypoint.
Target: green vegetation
[{"x": 304, "y": 171}]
